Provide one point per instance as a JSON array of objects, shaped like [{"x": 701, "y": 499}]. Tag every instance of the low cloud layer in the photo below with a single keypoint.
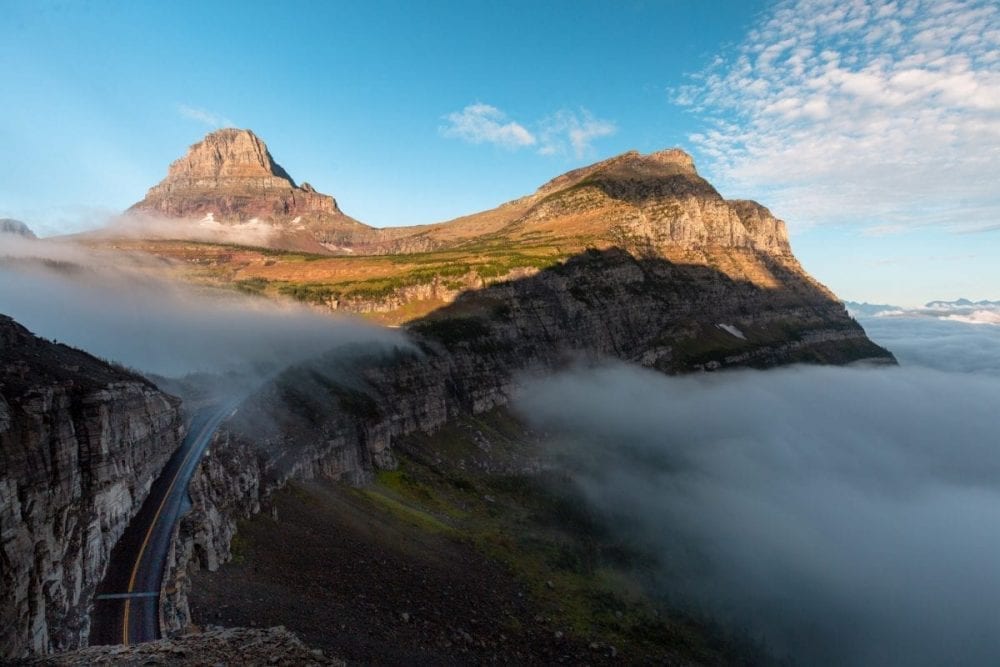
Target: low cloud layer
[
  {"x": 885, "y": 112},
  {"x": 113, "y": 305},
  {"x": 938, "y": 342},
  {"x": 144, "y": 225},
  {"x": 846, "y": 516}
]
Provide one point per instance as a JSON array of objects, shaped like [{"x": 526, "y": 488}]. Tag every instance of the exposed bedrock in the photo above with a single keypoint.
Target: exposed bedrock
[{"x": 80, "y": 444}]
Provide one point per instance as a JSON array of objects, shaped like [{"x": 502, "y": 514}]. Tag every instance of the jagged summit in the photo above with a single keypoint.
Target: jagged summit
[
  {"x": 231, "y": 175},
  {"x": 229, "y": 154},
  {"x": 228, "y": 179}
]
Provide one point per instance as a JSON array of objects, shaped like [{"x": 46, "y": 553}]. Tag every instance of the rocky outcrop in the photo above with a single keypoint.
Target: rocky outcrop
[
  {"x": 230, "y": 177},
  {"x": 80, "y": 444},
  {"x": 231, "y": 174},
  {"x": 215, "y": 646},
  {"x": 657, "y": 202}
]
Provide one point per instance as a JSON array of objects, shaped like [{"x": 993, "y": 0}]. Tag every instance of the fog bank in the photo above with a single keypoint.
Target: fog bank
[
  {"x": 951, "y": 345},
  {"x": 116, "y": 306},
  {"x": 846, "y": 516}
]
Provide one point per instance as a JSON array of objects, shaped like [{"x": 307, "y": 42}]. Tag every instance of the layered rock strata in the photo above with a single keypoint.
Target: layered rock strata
[
  {"x": 80, "y": 444},
  {"x": 230, "y": 177},
  {"x": 231, "y": 174}
]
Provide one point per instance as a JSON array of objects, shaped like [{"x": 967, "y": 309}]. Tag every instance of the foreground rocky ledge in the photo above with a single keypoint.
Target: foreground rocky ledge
[{"x": 217, "y": 646}]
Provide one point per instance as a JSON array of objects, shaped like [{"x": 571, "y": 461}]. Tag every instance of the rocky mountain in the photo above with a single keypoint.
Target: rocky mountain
[
  {"x": 963, "y": 304},
  {"x": 634, "y": 258},
  {"x": 871, "y": 309},
  {"x": 654, "y": 205},
  {"x": 11, "y": 226},
  {"x": 229, "y": 177},
  {"x": 80, "y": 444}
]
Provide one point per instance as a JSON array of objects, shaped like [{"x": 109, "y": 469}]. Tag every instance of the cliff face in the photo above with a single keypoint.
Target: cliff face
[
  {"x": 80, "y": 444},
  {"x": 231, "y": 174},
  {"x": 230, "y": 177},
  {"x": 657, "y": 200},
  {"x": 338, "y": 417}
]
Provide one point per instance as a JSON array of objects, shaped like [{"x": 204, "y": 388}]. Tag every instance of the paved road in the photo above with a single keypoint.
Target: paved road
[{"x": 126, "y": 606}]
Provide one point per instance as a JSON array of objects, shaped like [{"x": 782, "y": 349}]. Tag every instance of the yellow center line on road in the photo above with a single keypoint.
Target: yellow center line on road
[{"x": 149, "y": 533}]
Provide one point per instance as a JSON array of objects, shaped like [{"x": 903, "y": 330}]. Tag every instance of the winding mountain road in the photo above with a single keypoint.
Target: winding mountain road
[{"x": 127, "y": 603}]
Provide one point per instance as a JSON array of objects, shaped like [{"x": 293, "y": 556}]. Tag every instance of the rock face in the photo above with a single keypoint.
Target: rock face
[
  {"x": 338, "y": 419},
  {"x": 80, "y": 444},
  {"x": 230, "y": 177},
  {"x": 215, "y": 646},
  {"x": 231, "y": 174},
  {"x": 11, "y": 226},
  {"x": 658, "y": 201}
]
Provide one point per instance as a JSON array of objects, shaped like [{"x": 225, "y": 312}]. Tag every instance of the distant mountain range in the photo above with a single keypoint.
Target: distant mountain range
[
  {"x": 959, "y": 310},
  {"x": 959, "y": 304},
  {"x": 16, "y": 227}
]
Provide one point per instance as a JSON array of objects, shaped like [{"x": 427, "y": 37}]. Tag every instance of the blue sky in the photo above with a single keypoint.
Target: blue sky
[{"x": 873, "y": 128}]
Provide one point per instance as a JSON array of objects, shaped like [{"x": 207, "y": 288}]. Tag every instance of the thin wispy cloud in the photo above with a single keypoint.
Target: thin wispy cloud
[
  {"x": 562, "y": 133},
  {"x": 203, "y": 116},
  {"x": 568, "y": 132},
  {"x": 482, "y": 123},
  {"x": 881, "y": 111}
]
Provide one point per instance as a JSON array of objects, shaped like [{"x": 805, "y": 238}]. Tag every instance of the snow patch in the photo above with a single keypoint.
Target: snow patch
[{"x": 730, "y": 329}]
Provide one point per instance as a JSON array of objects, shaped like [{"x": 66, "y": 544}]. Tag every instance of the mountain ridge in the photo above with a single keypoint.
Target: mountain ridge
[
  {"x": 230, "y": 177},
  {"x": 653, "y": 205}
]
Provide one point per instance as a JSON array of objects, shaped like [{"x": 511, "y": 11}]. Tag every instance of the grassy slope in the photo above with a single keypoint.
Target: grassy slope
[
  {"x": 474, "y": 495},
  {"x": 580, "y": 575},
  {"x": 318, "y": 279}
]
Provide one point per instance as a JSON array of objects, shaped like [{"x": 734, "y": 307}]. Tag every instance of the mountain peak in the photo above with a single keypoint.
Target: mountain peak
[
  {"x": 673, "y": 156},
  {"x": 632, "y": 164},
  {"x": 229, "y": 153},
  {"x": 231, "y": 175}
]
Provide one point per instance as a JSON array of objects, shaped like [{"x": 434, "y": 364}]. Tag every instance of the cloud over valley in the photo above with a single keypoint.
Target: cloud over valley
[{"x": 841, "y": 515}]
